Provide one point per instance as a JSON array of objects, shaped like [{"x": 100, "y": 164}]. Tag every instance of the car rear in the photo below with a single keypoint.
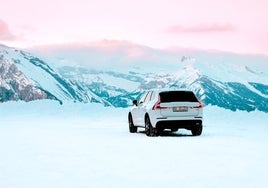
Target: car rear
[{"x": 178, "y": 109}]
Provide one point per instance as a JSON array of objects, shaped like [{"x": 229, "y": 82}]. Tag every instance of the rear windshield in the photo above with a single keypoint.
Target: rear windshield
[{"x": 178, "y": 96}]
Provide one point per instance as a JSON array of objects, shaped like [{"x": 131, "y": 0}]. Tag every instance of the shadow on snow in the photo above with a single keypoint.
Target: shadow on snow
[{"x": 171, "y": 134}]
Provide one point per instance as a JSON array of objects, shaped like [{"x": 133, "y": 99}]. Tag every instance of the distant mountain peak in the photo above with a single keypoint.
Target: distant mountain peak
[
  {"x": 27, "y": 77},
  {"x": 114, "y": 78},
  {"x": 15, "y": 85}
]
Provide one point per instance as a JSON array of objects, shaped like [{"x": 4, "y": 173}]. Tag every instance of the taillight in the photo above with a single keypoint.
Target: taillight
[
  {"x": 201, "y": 105},
  {"x": 157, "y": 105}
]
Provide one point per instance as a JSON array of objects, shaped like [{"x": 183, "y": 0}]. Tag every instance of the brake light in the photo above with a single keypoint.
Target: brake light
[
  {"x": 201, "y": 105},
  {"x": 157, "y": 105}
]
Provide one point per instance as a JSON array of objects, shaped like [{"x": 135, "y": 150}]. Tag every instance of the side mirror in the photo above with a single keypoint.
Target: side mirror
[{"x": 135, "y": 102}]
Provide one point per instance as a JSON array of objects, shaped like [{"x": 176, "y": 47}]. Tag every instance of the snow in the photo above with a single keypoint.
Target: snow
[{"x": 44, "y": 144}]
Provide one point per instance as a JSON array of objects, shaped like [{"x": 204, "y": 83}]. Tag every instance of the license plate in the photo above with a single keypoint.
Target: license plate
[{"x": 180, "y": 109}]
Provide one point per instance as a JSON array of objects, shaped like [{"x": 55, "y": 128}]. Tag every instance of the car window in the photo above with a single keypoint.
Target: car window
[
  {"x": 152, "y": 96},
  {"x": 178, "y": 96},
  {"x": 148, "y": 97},
  {"x": 142, "y": 99}
]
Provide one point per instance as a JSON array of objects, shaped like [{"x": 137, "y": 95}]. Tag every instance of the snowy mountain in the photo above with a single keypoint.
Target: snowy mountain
[
  {"x": 114, "y": 73},
  {"x": 26, "y": 77},
  {"x": 15, "y": 85},
  {"x": 119, "y": 72},
  {"x": 121, "y": 88}
]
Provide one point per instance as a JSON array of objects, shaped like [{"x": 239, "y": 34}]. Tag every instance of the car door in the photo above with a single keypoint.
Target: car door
[
  {"x": 139, "y": 111},
  {"x": 142, "y": 108},
  {"x": 136, "y": 110}
]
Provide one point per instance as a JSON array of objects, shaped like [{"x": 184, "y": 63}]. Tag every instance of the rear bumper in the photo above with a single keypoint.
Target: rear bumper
[{"x": 177, "y": 124}]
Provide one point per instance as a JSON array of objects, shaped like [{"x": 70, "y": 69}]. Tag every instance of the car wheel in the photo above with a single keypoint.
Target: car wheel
[
  {"x": 149, "y": 130},
  {"x": 159, "y": 132},
  {"x": 197, "y": 130},
  {"x": 132, "y": 128}
]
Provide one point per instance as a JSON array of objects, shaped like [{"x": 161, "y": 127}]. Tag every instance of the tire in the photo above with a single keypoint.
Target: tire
[
  {"x": 159, "y": 132},
  {"x": 197, "y": 130},
  {"x": 132, "y": 128},
  {"x": 149, "y": 130}
]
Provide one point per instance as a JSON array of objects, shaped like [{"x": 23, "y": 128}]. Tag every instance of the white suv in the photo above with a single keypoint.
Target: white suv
[{"x": 158, "y": 110}]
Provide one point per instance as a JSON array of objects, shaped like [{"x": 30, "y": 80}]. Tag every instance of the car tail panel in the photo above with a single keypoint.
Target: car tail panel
[
  {"x": 178, "y": 103},
  {"x": 173, "y": 109}
]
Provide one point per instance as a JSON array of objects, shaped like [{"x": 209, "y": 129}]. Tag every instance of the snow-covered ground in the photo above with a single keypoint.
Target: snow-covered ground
[{"x": 47, "y": 145}]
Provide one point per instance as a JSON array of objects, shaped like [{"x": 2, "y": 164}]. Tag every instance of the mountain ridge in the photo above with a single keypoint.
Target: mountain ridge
[{"x": 228, "y": 81}]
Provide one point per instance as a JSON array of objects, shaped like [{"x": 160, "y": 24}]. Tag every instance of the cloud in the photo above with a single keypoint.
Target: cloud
[
  {"x": 202, "y": 28},
  {"x": 5, "y": 33}
]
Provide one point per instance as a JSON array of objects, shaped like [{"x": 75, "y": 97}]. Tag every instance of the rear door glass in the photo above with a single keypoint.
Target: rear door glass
[
  {"x": 177, "y": 96},
  {"x": 148, "y": 97},
  {"x": 142, "y": 99}
]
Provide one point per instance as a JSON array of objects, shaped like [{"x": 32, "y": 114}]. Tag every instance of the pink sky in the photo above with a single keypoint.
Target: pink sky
[{"x": 230, "y": 25}]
